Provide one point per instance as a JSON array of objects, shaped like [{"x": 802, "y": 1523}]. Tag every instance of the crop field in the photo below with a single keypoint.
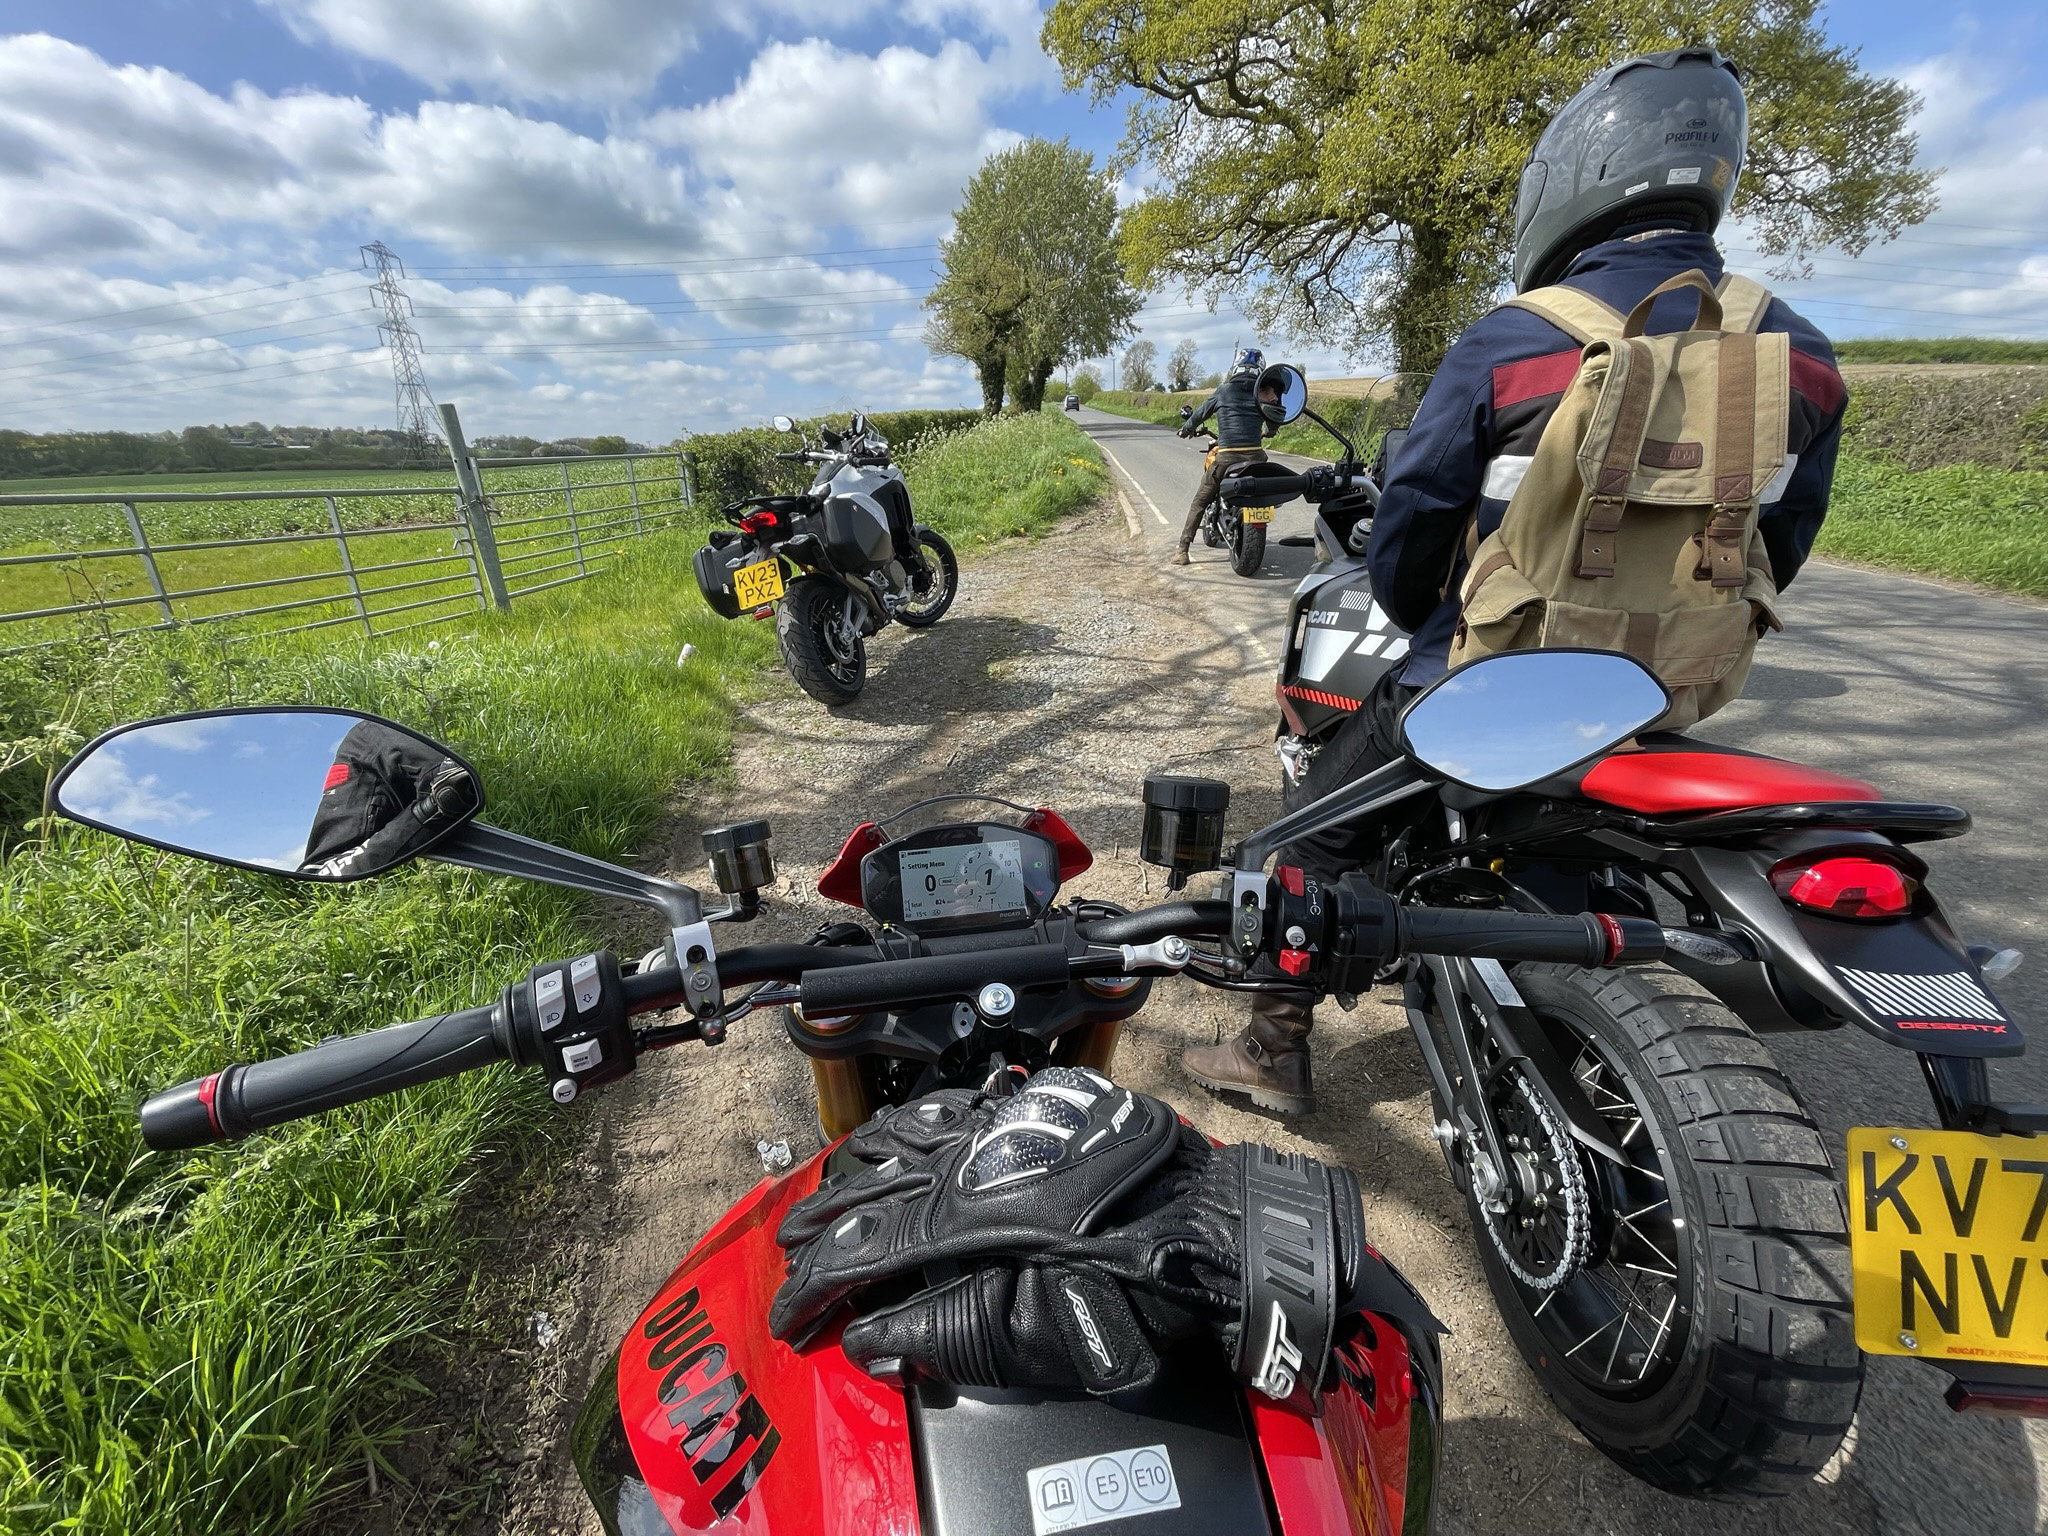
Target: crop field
[
  {"x": 217, "y": 1341},
  {"x": 394, "y": 523}
]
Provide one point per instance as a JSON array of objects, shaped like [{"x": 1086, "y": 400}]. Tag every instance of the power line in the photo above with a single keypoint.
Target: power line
[
  {"x": 415, "y": 404},
  {"x": 673, "y": 264},
  {"x": 75, "y": 361},
  {"x": 155, "y": 389},
  {"x": 174, "y": 304}
]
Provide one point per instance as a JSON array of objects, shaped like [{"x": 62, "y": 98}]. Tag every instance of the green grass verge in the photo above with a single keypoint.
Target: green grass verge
[
  {"x": 1946, "y": 349},
  {"x": 213, "y": 1342},
  {"x": 1006, "y": 476},
  {"x": 1963, "y": 521}
]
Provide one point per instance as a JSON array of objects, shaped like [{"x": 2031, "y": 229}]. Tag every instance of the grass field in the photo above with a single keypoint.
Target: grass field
[
  {"x": 216, "y": 1342},
  {"x": 1964, "y": 521},
  {"x": 381, "y": 532},
  {"x": 1952, "y": 349}
]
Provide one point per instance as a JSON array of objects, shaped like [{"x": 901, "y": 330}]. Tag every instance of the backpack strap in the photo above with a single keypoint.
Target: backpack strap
[
  {"x": 1724, "y": 550},
  {"x": 1743, "y": 303},
  {"x": 1710, "y": 303},
  {"x": 1572, "y": 310},
  {"x": 1618, "y": 464}
]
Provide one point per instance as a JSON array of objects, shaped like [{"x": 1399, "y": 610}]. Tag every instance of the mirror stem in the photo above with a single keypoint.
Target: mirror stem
[
  {"x": 1382, "y": 787},
  {"x": 1350, "y": 453},
  {"x": 494, "y": 851}
]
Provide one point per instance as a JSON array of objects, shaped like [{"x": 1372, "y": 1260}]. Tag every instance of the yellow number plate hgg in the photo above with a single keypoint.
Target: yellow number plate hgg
[
  {"x": 758, "y": 584},
  {"x": 1949, "y": 1243},
  {"x": 1256, "y": 514}
]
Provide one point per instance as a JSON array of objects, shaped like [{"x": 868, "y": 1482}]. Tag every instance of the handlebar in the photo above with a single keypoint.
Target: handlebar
[
  {"x": 239, "y": 1100},
  {"x": 596, "y": 1044},
  {"x": 1584, "y": 938}
]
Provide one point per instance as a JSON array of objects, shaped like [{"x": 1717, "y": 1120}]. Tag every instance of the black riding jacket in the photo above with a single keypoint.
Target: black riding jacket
[
  {"x": 387, "y": 793},
  {"x": 1239, "y": 423}
]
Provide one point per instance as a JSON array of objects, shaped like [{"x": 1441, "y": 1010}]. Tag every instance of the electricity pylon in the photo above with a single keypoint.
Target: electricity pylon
[{"x": 415, "y": 401}]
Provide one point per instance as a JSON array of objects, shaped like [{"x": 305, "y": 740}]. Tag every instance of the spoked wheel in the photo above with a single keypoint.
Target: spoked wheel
[
  {"x": 1702, "y": 1337},
  {"x": 819, "y": 632},
  {"x": 929, "y": 605},
  {"x": 1247, "y": 546}
]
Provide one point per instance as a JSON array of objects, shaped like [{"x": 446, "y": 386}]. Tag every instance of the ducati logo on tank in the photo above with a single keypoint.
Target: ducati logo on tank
[
  {"x": 721, "y": 1428},
  {"x": 1328, "y": 636}
]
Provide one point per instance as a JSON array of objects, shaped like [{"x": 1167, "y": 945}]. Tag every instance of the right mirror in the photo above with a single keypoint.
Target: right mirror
[
  {"x": 1282, "y": 393},
  {"x": 319, "y": 794},
  {"x": 1507, "y": 721}
]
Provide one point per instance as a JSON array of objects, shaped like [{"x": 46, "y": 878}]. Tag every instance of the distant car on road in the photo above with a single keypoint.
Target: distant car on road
[{"x": 1071, "y": 403}]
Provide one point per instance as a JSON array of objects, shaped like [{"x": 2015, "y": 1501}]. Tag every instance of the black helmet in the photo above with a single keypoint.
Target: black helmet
[{"x": 1659, "y": 139}]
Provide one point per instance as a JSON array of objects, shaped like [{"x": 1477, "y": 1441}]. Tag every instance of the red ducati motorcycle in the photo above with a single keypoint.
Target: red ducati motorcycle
[{"x": 971, "y": 970}]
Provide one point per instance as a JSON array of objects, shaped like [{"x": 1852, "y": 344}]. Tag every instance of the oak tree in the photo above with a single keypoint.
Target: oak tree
[
  {"x": 1032, "y": 279},
  {"x": 1180, "y": 365},
  {"x": 1347, "y": 169}
]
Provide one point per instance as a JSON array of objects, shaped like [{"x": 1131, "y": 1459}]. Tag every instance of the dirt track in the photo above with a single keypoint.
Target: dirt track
[{"x": 1060, "y": 678}]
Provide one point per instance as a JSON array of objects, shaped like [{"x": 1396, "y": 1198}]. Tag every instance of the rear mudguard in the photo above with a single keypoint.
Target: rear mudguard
[
  {"x": 1340, "y": 643},
  {"x": 1908, "y": 980},
  {"x": 702, "y": 1422}
]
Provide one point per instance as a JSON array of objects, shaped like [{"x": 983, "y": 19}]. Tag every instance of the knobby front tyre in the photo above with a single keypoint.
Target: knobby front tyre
[
  {"x": 928, "y": 607},
  {"x": 1707, "y": 1344}
]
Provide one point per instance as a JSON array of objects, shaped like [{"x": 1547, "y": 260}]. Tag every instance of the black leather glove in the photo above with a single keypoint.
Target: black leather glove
[
  {"x": 1044, "y": 1168},
  {"x": 1185, "y": 432},
  {"x": 1172, "y": 1264}
]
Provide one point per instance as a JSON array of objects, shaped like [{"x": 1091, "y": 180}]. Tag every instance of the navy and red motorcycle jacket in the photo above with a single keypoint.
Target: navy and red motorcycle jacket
[{"x": 1496, "y": 390}]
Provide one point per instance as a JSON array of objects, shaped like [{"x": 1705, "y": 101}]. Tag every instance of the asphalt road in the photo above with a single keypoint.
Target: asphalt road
[{"x": 1930, "y": 692}]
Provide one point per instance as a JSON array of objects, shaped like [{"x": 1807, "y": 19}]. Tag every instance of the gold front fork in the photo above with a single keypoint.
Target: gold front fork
[{"x": 843, "y": 1100}]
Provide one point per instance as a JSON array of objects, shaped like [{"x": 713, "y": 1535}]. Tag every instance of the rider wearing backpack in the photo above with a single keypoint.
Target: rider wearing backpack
[{"x": 1679, "y": 494}]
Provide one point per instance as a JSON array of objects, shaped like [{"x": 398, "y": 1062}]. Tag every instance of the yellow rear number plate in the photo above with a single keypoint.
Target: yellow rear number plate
[
  {"x": 758, "y": 584},
  {"x": 1256, "y": 514},
  {"x": 1950, "y": 1245}
]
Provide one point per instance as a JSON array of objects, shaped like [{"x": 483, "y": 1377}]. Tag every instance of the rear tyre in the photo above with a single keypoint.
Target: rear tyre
[
  {"x": 1706, "y": 1342},
  {"x": 1247, "y": 547},
  {"x": 929, "y": 606},
  {"x": 828, "y": 658}
]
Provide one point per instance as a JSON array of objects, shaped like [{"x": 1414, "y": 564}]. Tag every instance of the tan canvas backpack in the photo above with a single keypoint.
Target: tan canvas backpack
[{"x": 1635, "y": 527}]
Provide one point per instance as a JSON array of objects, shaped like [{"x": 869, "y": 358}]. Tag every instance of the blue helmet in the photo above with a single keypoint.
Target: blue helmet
[{"x": 1250, "y": 360}]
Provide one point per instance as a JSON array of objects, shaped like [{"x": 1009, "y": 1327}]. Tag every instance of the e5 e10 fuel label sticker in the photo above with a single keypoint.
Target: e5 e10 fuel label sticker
[{"x": 1111, "y": 1485}]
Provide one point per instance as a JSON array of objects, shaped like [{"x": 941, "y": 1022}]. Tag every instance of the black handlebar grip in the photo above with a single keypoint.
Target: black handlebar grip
[
  {"x": 931, "y": 978},
  {"x": 237, "y": 1101},
  {"x": 1585, "y": 938}
]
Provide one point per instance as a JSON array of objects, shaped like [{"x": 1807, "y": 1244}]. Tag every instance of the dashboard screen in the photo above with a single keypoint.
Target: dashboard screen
[{"x": 962, "y": 880}]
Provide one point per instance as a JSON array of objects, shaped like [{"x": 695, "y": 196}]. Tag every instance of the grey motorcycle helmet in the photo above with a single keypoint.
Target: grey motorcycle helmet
[{"x": 1658, "y": 139}]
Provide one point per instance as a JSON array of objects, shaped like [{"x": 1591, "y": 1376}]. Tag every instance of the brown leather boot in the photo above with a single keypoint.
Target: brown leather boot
[
  {"x": 1269, "y": 1061},
  {"x": 1180, "y": 556}
]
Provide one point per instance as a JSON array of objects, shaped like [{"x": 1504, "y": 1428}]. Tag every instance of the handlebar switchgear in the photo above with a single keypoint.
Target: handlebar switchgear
[{"x": 569, "y": 1018}]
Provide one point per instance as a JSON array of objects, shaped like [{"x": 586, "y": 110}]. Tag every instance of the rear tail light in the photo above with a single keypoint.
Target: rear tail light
[
  {"x": 1846, "y": 887},
  {"x": 763, "y": 521}
]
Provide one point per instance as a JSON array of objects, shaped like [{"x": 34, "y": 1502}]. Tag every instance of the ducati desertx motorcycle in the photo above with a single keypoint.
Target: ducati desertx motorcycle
[
  {"x": 859, "y": 557},
  {"x": 1656, "y": 1211},
  {"x": 1239, "y": 527},
  {"x": 968, "y": 970}
]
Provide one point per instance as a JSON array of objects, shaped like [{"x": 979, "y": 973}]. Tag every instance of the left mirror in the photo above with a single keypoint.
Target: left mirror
[
  {"x": 784, "y": 424},
  {"x": 318, "y": 794},
  {"x": 1282, "y": 393}
]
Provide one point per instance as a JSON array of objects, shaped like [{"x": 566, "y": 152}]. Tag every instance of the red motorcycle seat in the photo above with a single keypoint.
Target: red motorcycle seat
[{"x": 1667, "y": 783}]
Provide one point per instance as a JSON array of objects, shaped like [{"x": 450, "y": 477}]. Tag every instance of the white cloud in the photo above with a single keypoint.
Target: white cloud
[
  {"x": 535, "y": 50},
  {"x": 1980, "y": 265},
  {"x": 836, "y": 137}
]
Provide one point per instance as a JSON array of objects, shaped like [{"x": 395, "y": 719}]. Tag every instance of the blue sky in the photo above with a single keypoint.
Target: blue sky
[{"x": 653, "y": 216}]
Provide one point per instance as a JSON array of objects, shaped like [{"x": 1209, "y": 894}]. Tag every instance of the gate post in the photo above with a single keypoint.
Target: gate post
[
  {"x": 475, "y": 511},
  {"x": 142, "y": 548}
]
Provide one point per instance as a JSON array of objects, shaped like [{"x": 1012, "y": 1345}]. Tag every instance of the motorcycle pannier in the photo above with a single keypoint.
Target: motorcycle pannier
[
  {"x": 856, "y": 539},
  {"x": 714, "y": 565},
  {"x": 1635, "y": 528}
]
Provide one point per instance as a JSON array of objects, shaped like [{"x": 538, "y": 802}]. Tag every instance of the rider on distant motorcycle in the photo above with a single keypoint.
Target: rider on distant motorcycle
[
  {"x": 1240, "y": 429},
  {"x": 1602, "y": 211}
]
